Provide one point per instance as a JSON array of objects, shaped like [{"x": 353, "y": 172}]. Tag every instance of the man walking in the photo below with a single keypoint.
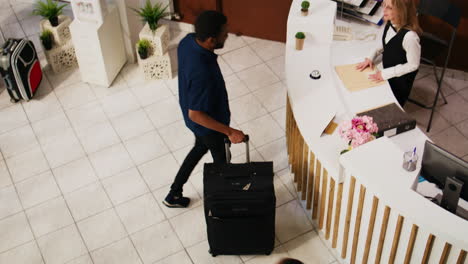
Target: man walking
[{"x": 203, "y": 99}]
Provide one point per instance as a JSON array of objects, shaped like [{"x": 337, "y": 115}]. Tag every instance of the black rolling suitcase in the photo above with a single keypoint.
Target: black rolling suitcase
[
  {"x": 240, "y": 203},
  {"x": 20, "y": 68}
]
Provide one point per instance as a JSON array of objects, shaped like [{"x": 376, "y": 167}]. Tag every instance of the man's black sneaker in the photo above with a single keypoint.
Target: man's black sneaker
[{"x": 176, "y": 201}]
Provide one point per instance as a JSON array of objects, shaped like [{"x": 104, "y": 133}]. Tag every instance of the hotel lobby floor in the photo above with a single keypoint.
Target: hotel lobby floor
[{"x": 84, "y": 168}]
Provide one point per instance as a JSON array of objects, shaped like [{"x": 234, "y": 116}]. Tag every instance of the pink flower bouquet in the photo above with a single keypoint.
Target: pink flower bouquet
[{"x": 358, "y": 131}]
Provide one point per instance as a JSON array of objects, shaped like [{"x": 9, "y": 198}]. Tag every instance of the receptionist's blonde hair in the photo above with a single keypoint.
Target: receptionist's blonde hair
[{"x": 405, "y": 11}]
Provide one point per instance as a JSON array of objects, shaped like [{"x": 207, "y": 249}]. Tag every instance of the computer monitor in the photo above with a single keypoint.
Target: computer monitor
[{"x": 448, "y": 172}]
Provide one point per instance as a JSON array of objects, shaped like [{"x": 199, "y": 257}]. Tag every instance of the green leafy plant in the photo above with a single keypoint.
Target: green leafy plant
[
  {"x": 49, "y": 9},
  {"x": 143, "y": 46},
  {"x": 300, "y": 35},
  {"x": 151, "y": 14},
  {"x": 47, "y": 39},
  {"x": 305, "y": 5}
]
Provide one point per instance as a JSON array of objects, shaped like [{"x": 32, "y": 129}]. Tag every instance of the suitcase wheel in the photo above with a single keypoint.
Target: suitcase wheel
[
  {"x": 13, "y": 101},
  {"x": 212, "y": 254}
]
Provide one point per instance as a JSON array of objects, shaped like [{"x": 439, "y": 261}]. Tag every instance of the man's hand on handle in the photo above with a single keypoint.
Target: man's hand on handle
[
  {"x": 203, "y": 119},
  {"x": 236, "y": 136}
]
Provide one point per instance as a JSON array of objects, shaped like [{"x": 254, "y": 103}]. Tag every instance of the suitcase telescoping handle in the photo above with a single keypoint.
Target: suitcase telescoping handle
[
  {"x": 227, "y": 142},
  {"x": 7, "y": 47}
]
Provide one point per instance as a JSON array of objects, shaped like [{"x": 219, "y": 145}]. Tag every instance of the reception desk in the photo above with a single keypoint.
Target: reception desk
[{"x": 362, "y": 201}]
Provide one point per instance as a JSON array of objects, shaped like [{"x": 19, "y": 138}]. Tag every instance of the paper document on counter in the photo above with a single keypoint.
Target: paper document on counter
[{"x": 355, "y": 80}]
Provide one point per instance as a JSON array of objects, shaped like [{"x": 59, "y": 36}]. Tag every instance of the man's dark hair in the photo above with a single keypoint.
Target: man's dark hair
[
  {"x": 290, "y": 261},
  {"x": 209, "y": 24}
]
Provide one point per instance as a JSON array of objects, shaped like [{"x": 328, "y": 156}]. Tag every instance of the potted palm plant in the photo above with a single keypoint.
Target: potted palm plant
[
  {"x": 158, "y": 35},
  {"x": 300, "y": 37},
  {"x": 47, "y": 39},
  {"x": 305, "y": 8},
  {"x": 151, "y": 14},
  {"x": 50, "y": 10},
  {"x": 143, "y": 47}
]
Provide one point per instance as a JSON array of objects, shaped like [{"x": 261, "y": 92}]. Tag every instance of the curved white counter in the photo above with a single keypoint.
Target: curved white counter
[{"x": 383, "y": 220}]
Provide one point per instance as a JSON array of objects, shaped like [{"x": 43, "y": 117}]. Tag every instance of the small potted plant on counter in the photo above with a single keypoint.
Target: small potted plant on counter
[
  {"x": 300, "y": 37},
  {"x": 305, "y": 8},
  {"x": 50, "y": 10},
  {"x": 47, "y": 39},
  {"x": 143, "y": 47}
]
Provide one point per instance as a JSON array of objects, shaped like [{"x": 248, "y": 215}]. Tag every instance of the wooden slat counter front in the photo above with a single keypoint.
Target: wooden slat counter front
[{"x": 362, "y": 202}]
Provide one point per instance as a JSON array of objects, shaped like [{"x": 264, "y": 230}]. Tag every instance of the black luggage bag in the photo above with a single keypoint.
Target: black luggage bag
[
  {"x": 240, "y": 204},
  {"x": 20, "y": 69}
]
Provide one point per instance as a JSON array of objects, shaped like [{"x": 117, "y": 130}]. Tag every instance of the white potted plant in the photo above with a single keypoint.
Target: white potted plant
[
  {"x": 49, "y": 10},
  {"x": 47, "y": 39},
  {"x": 300, "y": 37},
  {"x": 53, "y": 20},
  {"x": 143, "y": 47},
  {"x": 158, "y": 35}
]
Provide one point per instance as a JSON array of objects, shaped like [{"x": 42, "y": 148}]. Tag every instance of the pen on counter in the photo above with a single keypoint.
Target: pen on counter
[{"x": 412, "y": 155}]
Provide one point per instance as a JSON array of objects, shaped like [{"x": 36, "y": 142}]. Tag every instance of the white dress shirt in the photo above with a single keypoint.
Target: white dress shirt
[{"x": 413, "y": 54}]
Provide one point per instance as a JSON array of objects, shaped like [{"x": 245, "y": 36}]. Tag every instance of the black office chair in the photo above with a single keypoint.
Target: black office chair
[{"x": 433, "y": 46}]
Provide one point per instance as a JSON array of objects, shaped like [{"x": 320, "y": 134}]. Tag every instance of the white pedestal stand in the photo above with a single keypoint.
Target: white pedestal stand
[
  {"x": 99, "y": 48},
  {"x": 158, "y": 64},
  {"x": 62, "y": 55}
]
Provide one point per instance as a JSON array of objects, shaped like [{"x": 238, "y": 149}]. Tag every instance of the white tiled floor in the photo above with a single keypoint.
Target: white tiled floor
[{"x": 84, "y": 168}]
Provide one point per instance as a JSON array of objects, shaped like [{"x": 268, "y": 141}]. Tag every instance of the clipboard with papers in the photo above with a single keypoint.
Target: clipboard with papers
[{"x": 355, "y": 80}]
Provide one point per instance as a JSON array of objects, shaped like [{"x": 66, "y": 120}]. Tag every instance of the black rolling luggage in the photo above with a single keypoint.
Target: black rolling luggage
[
  {"x": 240, "y": 203},
  {"x": 20, "y": 68}
]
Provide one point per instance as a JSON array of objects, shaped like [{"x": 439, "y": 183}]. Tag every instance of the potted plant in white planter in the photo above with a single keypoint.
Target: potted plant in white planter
[
  {"x": 151, "y": 14},
  {"x": 300, "y": 37},
  {"x": 305, "y": 8},
  {"x": 158, "y": 35},
  {"x": 50, "y": 10},
  {"x": 143, "y": 47},
  {"x": 47, "y": 39}
]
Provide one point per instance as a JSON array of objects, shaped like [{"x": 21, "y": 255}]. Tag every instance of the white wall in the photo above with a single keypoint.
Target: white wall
[
  {"x": 129, "y": 21},
  {"x": 163, "y": 2}
]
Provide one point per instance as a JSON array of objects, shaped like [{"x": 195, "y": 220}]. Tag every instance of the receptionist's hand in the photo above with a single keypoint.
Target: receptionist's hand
[
  {"x": 363, "y": 65},
  {"x": 376, "y": 77}
]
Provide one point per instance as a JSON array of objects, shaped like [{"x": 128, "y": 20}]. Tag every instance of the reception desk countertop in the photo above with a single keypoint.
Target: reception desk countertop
[{"x": 355, "y": 220}]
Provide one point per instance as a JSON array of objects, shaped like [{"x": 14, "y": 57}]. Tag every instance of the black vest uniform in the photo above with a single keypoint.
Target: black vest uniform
[{"x": 395, "y": 54}]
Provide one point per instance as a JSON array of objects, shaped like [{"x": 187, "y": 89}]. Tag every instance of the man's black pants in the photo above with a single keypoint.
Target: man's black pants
[{"x": 212, "y": 142}]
